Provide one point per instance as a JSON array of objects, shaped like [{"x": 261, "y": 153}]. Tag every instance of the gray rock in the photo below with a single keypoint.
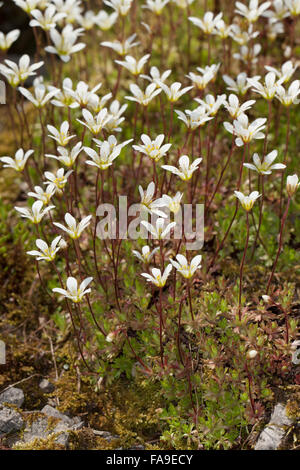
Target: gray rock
[
  {"x": 10, "y": 421},
  {"x": 13, "y": 395},
  {"x": 105, "y": 435},
  {"x": 46, "y": 386},
  {"x": 42, "y": 427},
  {"x": 272, "y": 436}
]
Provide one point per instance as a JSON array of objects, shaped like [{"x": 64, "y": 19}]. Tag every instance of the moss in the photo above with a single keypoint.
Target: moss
[{"x": 40, "y": 444}]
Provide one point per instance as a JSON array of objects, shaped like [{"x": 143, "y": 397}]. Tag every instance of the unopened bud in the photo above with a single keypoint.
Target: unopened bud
[
  {"x": 292, "y": 183},
  {"x": 252, "y": 354}
]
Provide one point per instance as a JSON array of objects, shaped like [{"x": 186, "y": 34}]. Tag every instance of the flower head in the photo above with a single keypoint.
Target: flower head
[
  {"x": 64, "y": 42},
  {"x": 186, "y": 169},
  {"x": 6, "y": 40},
  {"x": 292, "y": 184},
  {"x": 161, "y": 230},
  {"x": 146, "y": 255},
  {"x": 234, "y": 107},
  {"x": 247, "y": 201},
  {"x": 244, "y": 131},
  {"x": 174, "y": 92},
  {"x": 35, "y": 213},
  {"x": 73, "y": 229},
  {"x": 143, "y": 97},
  {"x": 153, "y": 148},
  {"x": 266, "y": 166},
  {"x": 18, "y": 163},
  {"x": 134, "y": 66},
  {"x": 59, "y": 179},
  {"x": 18, "y": 73},
  {"x": 208, "y": 23},
  {"x": 62, "y": 136},
  {"x": 157, "y": 278},
  {"x": 46, "y": 253},
  {"x": 67, "y": 157},
  {"x": 186, "y": 269},
  {"x": 73, "y": 292}
]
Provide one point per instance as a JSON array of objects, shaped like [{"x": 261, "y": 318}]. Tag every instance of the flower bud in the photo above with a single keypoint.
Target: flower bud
[
  {"x": 252, "y": 354},
  {"x": 292, "y": 183}
]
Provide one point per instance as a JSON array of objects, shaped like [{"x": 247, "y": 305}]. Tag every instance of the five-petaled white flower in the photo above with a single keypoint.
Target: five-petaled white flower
[
  {"x": 122, "y": 48},
  {"x": 62, "y": 136},
  {"x": 107, "y": 153},
  {"x": 74, "y": 292},
  {"x": 186, "y": 169},
  {"x": 186, "y": 269},
  {"x": 253, "y": 11},
  {"x": 161, "y": 230},
  {"x": 156, "y": 77},
  {"x": 67, "y": 157},
  {"x": 266, "y": 166},
  {"x": 174, "y": 92},
  {"x": 234, "y": 107},
  {"x": 208, "y": 23},
  {"x": 289, "y": 96},
  {"x": 104, "y": 20},
  {"x": 269, "y": 88},
  {"x": 146, "y": 254},
  {"x": 122, "y": 7},
  {"x": 35, "y": 213},
  {"x": 95, "y": 124},
  {"x": 172, "y": 203},
  {"x": 59, "y": 179},
  {"x": 244, "y": 131},
  {"x": 143, "y": 97},
  {"x": 240, "y": 85},
  {"x": 156, "y": 6},
  {"x": 40, "y": 97},
  {"x": 193, "y": 119},
  {"x": 18, "y": 73},
  {"x": 134, "y": 66},
  {"x": 42, "y": 194},
  {"x": 153, "y": 148},
  {"x": 212, "y": 104},
  {"x": 247, "y": 201},
  {"x": 73, "y": 229},
  {"x": 46, "y": 253},
  {"x": 46, "y": 20},
  {"x": 147, "y": 201},
  {"x": 286, "y": 72},
  {"x": 157, "y": 278},
  {"x": 18, "y": 163},
  {"x": 64, "y": 42}
]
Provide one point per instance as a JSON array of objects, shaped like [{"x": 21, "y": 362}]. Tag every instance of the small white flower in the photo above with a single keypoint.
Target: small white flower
[
  {"x": 6, "y": 40},
  {"x": 73, "y": 229},
  {"x": 46, "y": 20},
  {"x": 174, "y": 92},
  {"x": 240, "y": 86},
  {"x": 82, "y": 95},
  {"x": 253, "y": 11},
  {"x": 292, "y": 184},
  {"x": 59, "y": 179},
  {"x": 95, "y": 124},
  {"x": 289, "y": 96},
  {"x": 153, "y": 148},
  {"x": 161, "y": 230},
  {"x": 35, "y": 213},
  {"x": 18, "y": 163},
  {"x": 244, "y": 131},
  {"x": 105, "y": 21},
  {"x": 107, "y": 154},
  {"x": 40, "y": 97},
  {"x": 234, "y": 108},
  {"x": 172, "y": 203},
  {"x": 18, "y": 73},
  {"x": 147, "y": 201},
  {"x": 42, "y": 194},
  {"x": 247, "y": 201},
  {"x": 67, "y": 157},
  {"x": 193, "y": 119},
  {"x": 122, "y": 7},
  {"x": 268, "y": 89},
  {"x": 46, "y": 253},
  {"x": 157, "y": 278},
  {"x": 265, "y": 167},
  {"x": 186, "y": 169},
  {"x": 134, "y": 66},
  {"x": 146, "y": 254},
  {"x": 143, "y": 97},
  {"x": 208, "y": 23},
  {"x": 186, "y": 269},
  {"x": 74, "y": 292},
  {"x": 156, "y": 6},
  {"x": 122, "y": 48},
  {"x": 27, "y": 5},
  {"x": 247, "y": 54},
  {"x": 286, "y": 72},
  {"x": 212, "y": 104},
  {"x": 293, "y": 7},
  {"x": 156, "y": 77},
  {"x": 62, "y": 136},
  {"x": 64, "y": 42}
]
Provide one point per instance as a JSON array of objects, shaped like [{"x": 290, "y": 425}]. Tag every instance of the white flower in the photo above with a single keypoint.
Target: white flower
[
  {"x": 64, "y": 42},
  {"x": 174, "y": 92},
  {"x": 293, "y": 7},
  {"x": 63, "y": 97},
  {"x": 183, "y": 3},
  {"x": 247, "y": 201},
  {"x": 71, "y": 8},
  {"x": 243, "y": 37},
  {"x": 222, "y": 29},
  {"x": 87, "y": 20},
  {"x": 74, "y": 292},
  {"x": 153, "y": 148},
  {"x": 208, "y": 23},
  {"x": 240, "y": 86},
  {"x": 160, "y": 231},
  {"x": 286, "y": 72},
  {"x": 211, "y": 104},
  {"x": 157, "y": 278},
  {"x": 122, "y": 7},
  {"x": 35, "y": 213},
  {"x": 186, "y": 269},
  {"x": 42, "y": 194},
  {"x": 82, "y": 96},
  {"x": 46, "y": 253},
  {"x": 27, "y": 5},
  {"x": 107, "y": 154},
  {"x": 95, "y": 124},
  {"x": 265, "y": 167},
  {"x": 292, "y": 184},
  {"x": 95, "y": 103},
  {"x": 156, "y": 6},
  {"x": 172, "y": 203},
  {"x": 134, "y": 66},
  {"x": 115, "y": 116},
  {"x": 208, "y": 74},
  {"x": 244, "y": 131},
  {"x": 234, "y": 108},
  {"x": 66, "y": 156},
  {"x": 105, "y": 21},
  {"x": 156, "y": 77},
  {"x": 248, "y": 54},
  {"x": 18, "y": 163},
  {"x": 143, "y": 97},
  {"x": 147, "y": 201},
  {"x": 186, "y": 170},
  {"x": 146, "y": 254},
  {"x": 73, "y": 229},
  {"x": 47, "y": 20},
  {"x": 289, "y": 97},
  {"x": 122, "y": 48},
  {"x": 59, "y": 179},
  {"x": 193, "y": 119},
  {"x": 253, "y": 12},
  {"x": 252, "y": 354},
  {"x": 62, "y": 136},
  {"x": 18, "y": 73},
  {"x": 268, "y": 89},
  {"x": 6, "y": 40},
  {"x": 279, "y": 13},
  {"x": 40, "y": 97}
]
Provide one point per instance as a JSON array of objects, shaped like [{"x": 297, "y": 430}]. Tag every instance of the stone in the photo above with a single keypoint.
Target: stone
[
  {"x": 105, "y": 435},
  {"x": 10, "y": 420},
  {"x": 273, "y": 434},
  {"x": 13, "y": 396},
  {"x": 46, "y": 386}
]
